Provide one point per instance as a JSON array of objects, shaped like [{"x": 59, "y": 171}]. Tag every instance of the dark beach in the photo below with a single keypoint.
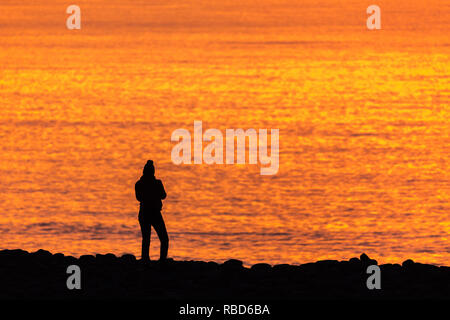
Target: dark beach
[{"x": 42, "y": 275}]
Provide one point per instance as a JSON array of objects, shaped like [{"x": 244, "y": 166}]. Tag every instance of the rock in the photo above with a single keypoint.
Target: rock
[
  {"x": 42, "y": 254},
  {"x": 407, "y": 263},
  {"x": 327, "y": 263},
  {"x": 33, "y": 278},
  {"x": 366, "y": 261},
  {"x": 283, "y": 268},
  {"x": 87, "y": 259},
  {"x": 344, "y": 264},
  {"x": 128, "y": 258},
  {"x": 233, "y": 263},
  {"x": 69, "y": 260},
  {"x": 213, "y": 265},
  {"x": 420, "y": 267},
  {"x": 14, "y": 257},
  {"x": 364, "y": 258},
  {"x": 13, "y": 253},
  {"x": 389, "y": 267},
  {"x": 58, "y": 258},
  {"x": 355, "y": 265},
  {"x": 261, "y": 267},
  {"x": 42, "y": 257},
  {"x": 354, "y": 261},
  {"x": 106, "y": 258},
  {"x": 304, "y": 266}
]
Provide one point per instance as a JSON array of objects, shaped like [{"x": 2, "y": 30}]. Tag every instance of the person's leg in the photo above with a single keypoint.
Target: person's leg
[
  {"x": 146, "y": 233},
  {"x": 160, "y": 228}
]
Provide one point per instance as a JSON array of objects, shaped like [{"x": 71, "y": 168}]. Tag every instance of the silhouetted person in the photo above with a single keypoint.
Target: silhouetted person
[{"x": 149, "y": 192}]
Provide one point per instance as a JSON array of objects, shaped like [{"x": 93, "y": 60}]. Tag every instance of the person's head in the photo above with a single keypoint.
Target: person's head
[{"x": 149, "y": 168}]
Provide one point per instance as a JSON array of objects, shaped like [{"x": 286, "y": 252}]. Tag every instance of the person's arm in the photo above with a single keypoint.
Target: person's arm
[
  {"x": 163, "y": 192},
  {"x": 138, "y": 192}
]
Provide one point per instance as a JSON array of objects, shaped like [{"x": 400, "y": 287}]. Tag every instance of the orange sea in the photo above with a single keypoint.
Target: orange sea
[{"x": 363, "y": 119}]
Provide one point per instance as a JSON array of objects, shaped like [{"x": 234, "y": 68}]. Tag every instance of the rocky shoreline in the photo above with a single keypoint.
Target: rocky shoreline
[{"x": 43, "y": 275}]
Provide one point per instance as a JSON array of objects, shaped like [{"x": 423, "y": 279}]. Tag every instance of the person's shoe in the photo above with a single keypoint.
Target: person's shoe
[{"x": 164, "y": 263}]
